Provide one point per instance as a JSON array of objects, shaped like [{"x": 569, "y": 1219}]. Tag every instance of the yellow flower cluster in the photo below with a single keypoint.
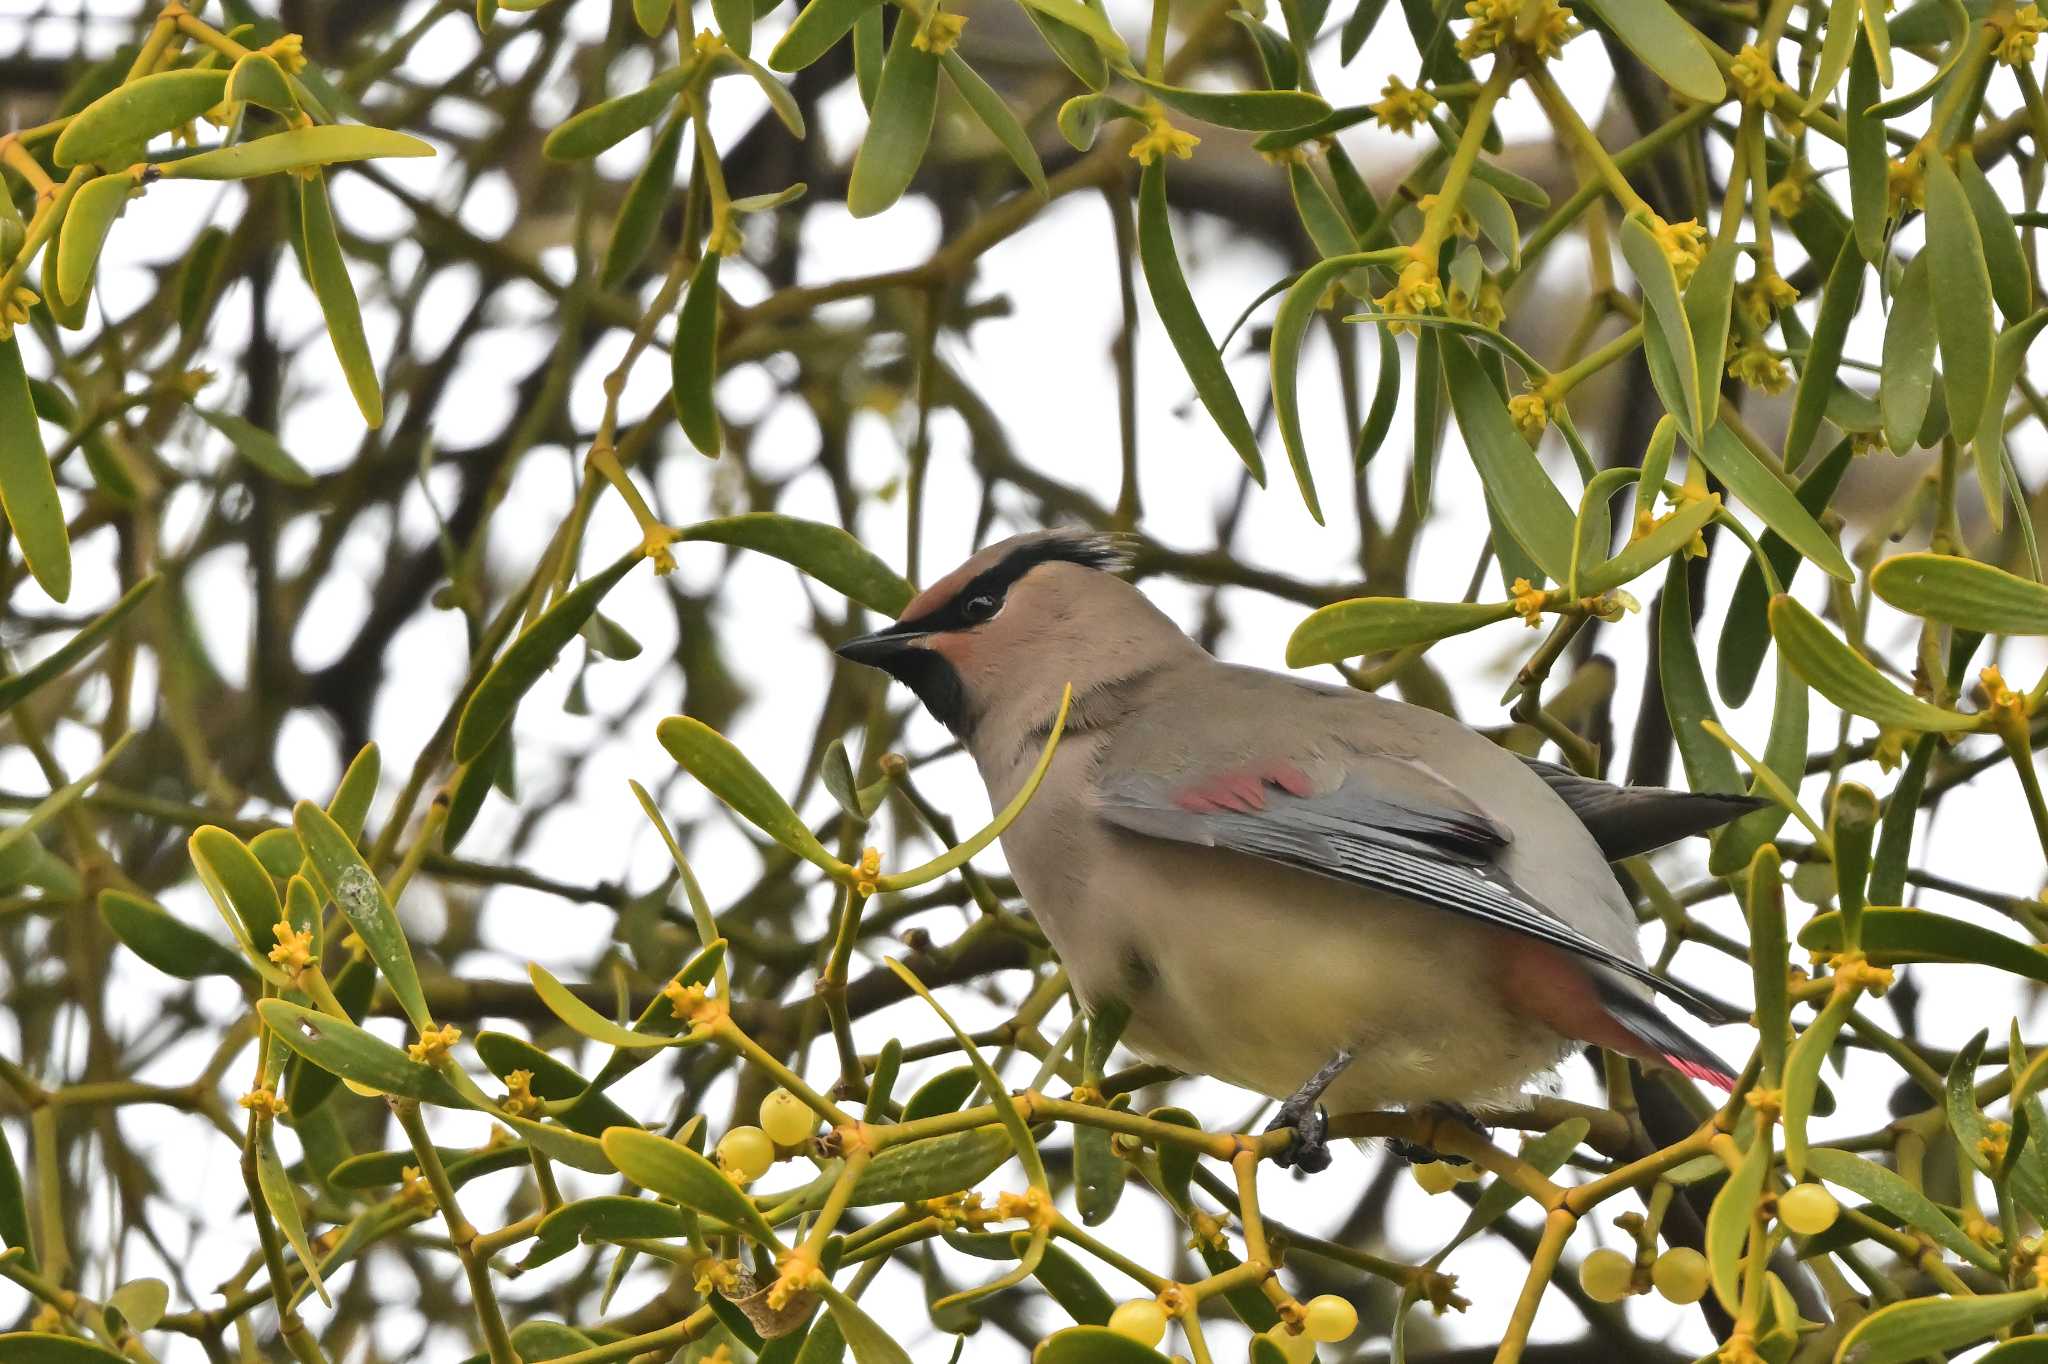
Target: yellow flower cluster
[
  {"x": 939, "y": 32},
  {"x": 867, "y": 876},
  {"x": 14, "y": 309},
  {"x": 264, "y": 1103},
  {"x": 413, "y": 1188},
  {"x": 713, "y": 1275},
  {"x": 1417, "y": 291},
  {"x": 519, "y": 1096},
  {"x": 288, "y": 52},
  {"x": 1684, "y": 243},
  {"x": 1462, "y": 222},
  {"x": 1760, "y": 297},
  {"x": 1401, "y": 106},
  {"x": 433, "y": 1044},
  {"x": 1905, "y": 183},
  {"x": 1487, "y": 309},
  {"x": 1531, "y": 414},
  {"x": 2018, "y": 32},
  {"x": 1541, "y": 26},
  {"x": 294, "y": 950},
  {"x": 683, "y": 1000},
  {"x": 1760, "y": 369},
  {"x": 1161, "y": 136},
  {"x": 1528, "y": 599},
  {"x": 1755, "y": 82},
  {"x": 796, "y": 1273}
]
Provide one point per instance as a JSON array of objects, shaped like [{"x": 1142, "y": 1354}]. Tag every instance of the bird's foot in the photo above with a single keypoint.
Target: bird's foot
[{"x": 1310, "y": 1125}]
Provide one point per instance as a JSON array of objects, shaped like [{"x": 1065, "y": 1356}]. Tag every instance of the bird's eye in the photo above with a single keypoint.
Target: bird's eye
[{"x": 980, "y": 607}]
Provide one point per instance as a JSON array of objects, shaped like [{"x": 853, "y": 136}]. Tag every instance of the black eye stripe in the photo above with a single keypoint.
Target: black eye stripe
[{"x": 996, "y": 580}]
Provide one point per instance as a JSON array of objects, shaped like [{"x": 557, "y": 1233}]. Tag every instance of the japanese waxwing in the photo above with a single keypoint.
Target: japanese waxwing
[{"x": 1298, "y": 888}]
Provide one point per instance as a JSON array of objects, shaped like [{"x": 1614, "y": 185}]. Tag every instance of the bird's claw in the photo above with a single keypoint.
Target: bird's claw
[{"x": 1311, "y": 1150}]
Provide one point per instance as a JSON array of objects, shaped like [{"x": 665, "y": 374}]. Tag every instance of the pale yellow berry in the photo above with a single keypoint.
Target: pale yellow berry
[
  {"x": 1329, "y": 1317},
  {"x": 1807, "y": 1209},
  {"x": 786, "y": 1119},
  {"x": 745, "y": 1153},
  {"x": 1140, "y": 1319},
  {"x": 1680, "y": 1274},
  {"x": 1295, "y": 1347},
  {"x": 1607, "y": 1275},
  {"x": 1434, "y": 1176}
]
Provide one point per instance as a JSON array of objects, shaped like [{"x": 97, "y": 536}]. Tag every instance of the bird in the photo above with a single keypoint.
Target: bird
[{"x": 1322, "y": 895}]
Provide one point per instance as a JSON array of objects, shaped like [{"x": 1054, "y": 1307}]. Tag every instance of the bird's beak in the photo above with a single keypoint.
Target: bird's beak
[{"x": 883, "y": 647}]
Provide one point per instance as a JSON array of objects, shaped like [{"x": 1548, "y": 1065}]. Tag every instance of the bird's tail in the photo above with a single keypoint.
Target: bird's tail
[{"x": 1662, "y": 1039}]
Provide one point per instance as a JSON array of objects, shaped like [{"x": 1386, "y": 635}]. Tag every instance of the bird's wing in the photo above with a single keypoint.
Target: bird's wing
[
  {"x": 1627, "y": 820},
  {"x": 1387, "y": 825}
]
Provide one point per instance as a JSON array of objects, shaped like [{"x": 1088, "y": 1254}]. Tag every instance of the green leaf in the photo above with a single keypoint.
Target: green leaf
[
  {"x": 1386, "y": 396},
  {"x": 917, "y": 1170},
  {"x": 489, "y": 708},
  {"x": 257, "y": 79},
  {"x": 1666, "y": 327},
  {"x": 238, "y": 881},
  {"x": 735, "y": 24},
  {"x": 817, "y": 28},
  {"x": 647, "y": 199},
  {"x": 1962, "y": 592},
  {"x": 1988, "y": 449},
  {"x": 1082, "y": 117},
  {"x": 1905, "y": 385},
  {"x": 2012, "y": 286},
  {"x": 609, "y": 1217},
  {"x": 945, "y": 1092},
  {"x": 693, "y": 361},
  {"x": 13, "y": 1207},
  {"x": 28, "y": 487},
  {"x": 899, "y": 127},
  {"x": 1728, "y": 1220},
  {"x": 117, "y": 124},
  {"x": 1013, "y": 1122},
  {"x": 711, "y": 758},
  {"x": 1666, "y": 44},
  {"x": 868, "y": 1341},
  {"x": 352, "y": 1054},
  {"x": 1823, "y": 359},
  {"x": 1962, "y": 297},
  {"x": 1839, "y": 36},
  {"x": 1190, "y": 336},
  {"x": 1535, "y": 513},
  {"x": 1907, "y": 935},
  {"x": 1802, "y": 1075},
  {"x": 1069, "y": 1285},
  {"x": 76, "y": 649},
  {"x": 1251, "y": 110},
  {"x": 1708, "y": 766},
  {"x": 1367, "y": 625},
  {"x": 1764, "y": 493},
  {"x": 956, "y": 857},
  {"x": 86, "y": 223},
  {"x": 1920, "y": 1327},
  {"x": 1869, "y": 158},
  {"x": 327, "y": 271},
  {"x": 778, "y": 95},
  {"x": 1093, "y": 1345},
  {"x": 1641, "y": 555},
  {"x": 563, "y": 1004},
  {"x": 821, "y": 551},
  {"x": 323, "y": 144},
  {"x": 1709, "y": 299},
  {"x": 1746, "y": 634},
  {"x": 1764, "y": 906},
  {"x": 168, "y": 943},
  {"x": 591, "y": 1112},
  {"x": 35, "y": 1347},
  {"x": 995, "y": 115},
  {"x": 381, "y": 1169},
  {"x": 1087, "y": 20},
  {"x": 1848, "y": 679},
  {"x": 347, "y": 880},
  {"x": 257, "y": 446},
  {"x": 675, "y": 1171},
  {"x": 283, "y": 1201},
  {"x": 603, "y": 126},
  {"x": 868, "y": 58}
]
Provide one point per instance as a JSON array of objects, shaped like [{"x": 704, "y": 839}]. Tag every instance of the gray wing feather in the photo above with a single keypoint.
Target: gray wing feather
[
  {"x": 1627, "y": 820},
  {"x": 1341, "y": 836}
]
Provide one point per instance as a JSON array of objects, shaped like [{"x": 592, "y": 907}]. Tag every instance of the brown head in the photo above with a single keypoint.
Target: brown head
[{"x": 995, "y": 640}]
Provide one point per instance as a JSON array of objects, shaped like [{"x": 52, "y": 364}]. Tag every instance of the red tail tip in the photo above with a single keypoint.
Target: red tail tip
[{"x": 1699, "y": 1070}]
